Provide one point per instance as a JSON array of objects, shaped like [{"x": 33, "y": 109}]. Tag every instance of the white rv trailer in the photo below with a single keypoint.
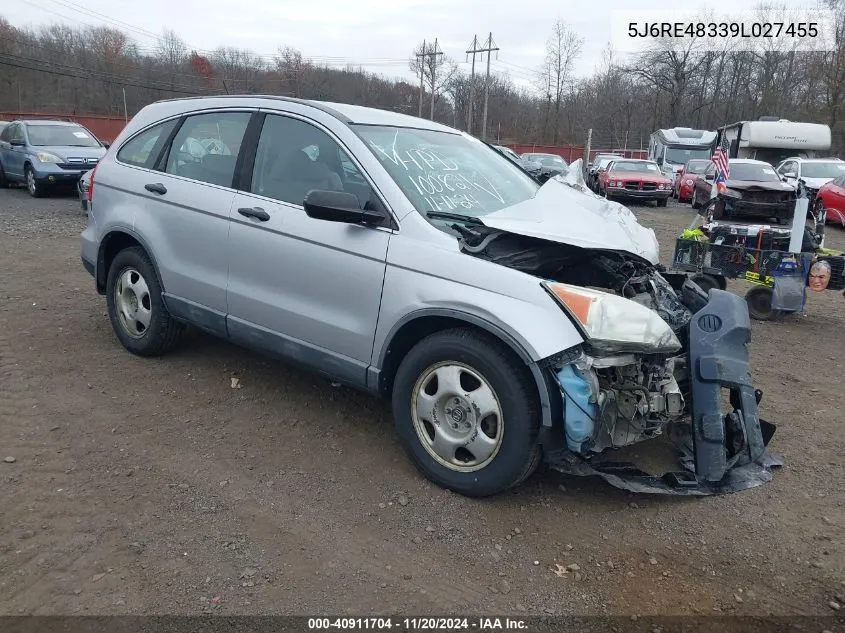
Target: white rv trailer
[
  {"x": 773, "y": 140},
  {"x": 673, "y": 147}
]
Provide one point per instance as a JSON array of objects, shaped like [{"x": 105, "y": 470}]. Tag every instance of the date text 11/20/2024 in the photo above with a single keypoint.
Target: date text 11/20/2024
[{"x": 417, "y": 624}]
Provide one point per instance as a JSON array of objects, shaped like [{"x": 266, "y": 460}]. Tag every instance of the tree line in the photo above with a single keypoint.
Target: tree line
[{"x": 89, "y": 70}]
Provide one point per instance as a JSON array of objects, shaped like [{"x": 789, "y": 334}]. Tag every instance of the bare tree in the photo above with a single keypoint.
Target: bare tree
[{"x": 562, "y": 50}]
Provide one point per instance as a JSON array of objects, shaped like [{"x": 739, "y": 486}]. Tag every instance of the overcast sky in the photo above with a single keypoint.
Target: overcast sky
[{"x": 377, "y": 34}]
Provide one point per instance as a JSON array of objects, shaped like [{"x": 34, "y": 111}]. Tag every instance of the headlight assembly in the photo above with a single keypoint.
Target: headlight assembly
[
  {"x": 47, "y": 157},
  {"x": 612, "y": 323}
]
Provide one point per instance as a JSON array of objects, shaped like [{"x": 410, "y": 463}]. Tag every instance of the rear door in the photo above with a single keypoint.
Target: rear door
[
  {"x": 185, "y": 198},
  {"x": 303, "y": 288}
]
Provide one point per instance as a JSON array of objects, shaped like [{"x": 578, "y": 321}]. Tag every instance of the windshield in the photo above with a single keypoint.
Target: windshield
[
  {"x": 549, "y": 160},
  {"x": 60, "y": 135},
  {"x": 440, "y": 171},
  {"x": 680, "y": 155},
  {"x": 823, "y": 170},
  {"x": 697, "y": 166},
  {"x": 629, "y": 165},
  {"x": 752, "y": 171},
  {"x": 602, "y": 162}
]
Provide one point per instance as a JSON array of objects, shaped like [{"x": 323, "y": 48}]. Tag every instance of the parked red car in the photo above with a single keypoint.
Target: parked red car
[
  {"x": 685, "y": 183},
  {"x": 831, "y": 196},
  {"x": 631, "y": 178}
]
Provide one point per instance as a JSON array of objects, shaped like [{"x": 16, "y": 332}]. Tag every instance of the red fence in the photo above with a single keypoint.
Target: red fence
[
  {"x": 571, "y": 153},
  {"x": 106, "y": 128}
]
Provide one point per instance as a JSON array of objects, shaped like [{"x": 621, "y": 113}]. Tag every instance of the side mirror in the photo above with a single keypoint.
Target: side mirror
[
  {"x": 340, "y": 206},
  {"x": 107, "y": 145},
  {"x": 709, "y": 176},
  {"x": 790, "y": 174},
  {"x": 16, "y": 142}
]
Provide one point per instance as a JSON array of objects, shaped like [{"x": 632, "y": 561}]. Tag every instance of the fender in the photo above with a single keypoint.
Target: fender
[
  {"x": 101, "y": 273},
  {"x": 544, "y": 388}
]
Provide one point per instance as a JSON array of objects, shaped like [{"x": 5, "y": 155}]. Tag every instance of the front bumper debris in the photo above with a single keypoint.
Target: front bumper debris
[{"x": 719, "y": 451}]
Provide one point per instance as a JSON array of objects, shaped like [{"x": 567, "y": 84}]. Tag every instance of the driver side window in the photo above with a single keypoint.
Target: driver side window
[{"x": 294, "y": 157}]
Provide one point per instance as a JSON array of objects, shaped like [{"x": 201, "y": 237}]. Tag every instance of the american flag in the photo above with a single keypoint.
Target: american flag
[{"x": 720, "y": 159}]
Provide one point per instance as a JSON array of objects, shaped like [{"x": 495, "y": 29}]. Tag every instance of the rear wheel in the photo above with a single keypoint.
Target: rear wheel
[
  {"x": 466, "y": 412},
  {"x": 136, "y": 308},
  {"x": 759, "y": 300}
]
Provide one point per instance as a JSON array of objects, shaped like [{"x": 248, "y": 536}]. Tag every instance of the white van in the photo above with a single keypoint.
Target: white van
[
  {"x": 673, "y": 147},
  {"x": 773, "y": 140}
]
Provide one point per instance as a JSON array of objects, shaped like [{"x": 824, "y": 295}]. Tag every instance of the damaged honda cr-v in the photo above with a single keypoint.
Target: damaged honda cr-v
[{"x": 509, "y": 322}]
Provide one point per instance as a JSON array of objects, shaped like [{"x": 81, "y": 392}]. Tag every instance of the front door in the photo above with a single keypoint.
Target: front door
[{"x": 306, "y": 289}]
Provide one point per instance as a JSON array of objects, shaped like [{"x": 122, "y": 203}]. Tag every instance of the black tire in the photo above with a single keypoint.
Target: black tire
[
  {"x": 662, "y": 202},
  {"x": 717, "y": 211},
  {"x": 706, "y": 282},
  {"x": 759, "y": 300},
  {"x": 35, "y": 189},
  {"x": 4, "y": 182},
  {"x": 519, "y": 452},
  {"x": 163, "y": 332},
  {"x": 694, "y": 200},
  {"x": 722, "y": 281}
]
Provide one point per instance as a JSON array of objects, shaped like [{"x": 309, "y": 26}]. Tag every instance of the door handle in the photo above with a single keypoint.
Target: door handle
[
  {"x": 156, "y": 187},
  {"x": 255, "y": 212}
]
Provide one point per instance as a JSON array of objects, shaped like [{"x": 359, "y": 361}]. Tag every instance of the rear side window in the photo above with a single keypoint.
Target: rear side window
[
  {"x": 206, "y": 147},
  {"x": 139, "y": 151}
]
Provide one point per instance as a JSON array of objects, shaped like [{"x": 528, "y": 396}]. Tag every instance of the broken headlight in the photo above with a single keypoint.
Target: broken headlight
[{"x": 613, "y": 323}]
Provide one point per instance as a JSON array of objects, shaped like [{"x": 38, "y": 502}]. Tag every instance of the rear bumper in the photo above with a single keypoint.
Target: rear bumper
[
  {"x": 720, "y": 451},
  {"x": 89, "y": 266}
]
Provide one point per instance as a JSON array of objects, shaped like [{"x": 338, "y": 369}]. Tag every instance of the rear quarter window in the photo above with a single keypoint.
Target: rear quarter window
[{"x": 139, "y": 150}]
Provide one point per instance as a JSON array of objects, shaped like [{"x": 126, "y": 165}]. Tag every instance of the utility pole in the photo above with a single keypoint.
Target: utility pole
[
  {"x": 473, "y": 50},
  {"x": 587, "y": 148},
  {"x": 421, "y": 57},
  {"x": 490, "y": 48},
  {"x": 433, "y": 55},
  {"x": 125, "y": 110}
]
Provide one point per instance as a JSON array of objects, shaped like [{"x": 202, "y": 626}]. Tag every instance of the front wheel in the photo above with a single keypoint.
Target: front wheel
[
  {"x": 4, "y": 182},
  {"x": 662, "y": 202},
  {"x": 35, "y": 189},
  {"x": 136, "y": 308},
  {"x": 466, "y": 412}
]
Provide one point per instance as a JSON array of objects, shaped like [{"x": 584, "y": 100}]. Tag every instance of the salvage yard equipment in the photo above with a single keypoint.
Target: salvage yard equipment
[{"x": 758, "y": 254}]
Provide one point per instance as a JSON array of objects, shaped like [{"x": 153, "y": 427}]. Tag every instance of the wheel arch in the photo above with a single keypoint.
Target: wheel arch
[
  {"x": 113, "y": 243},
  {"x": 414, "y": 327}
]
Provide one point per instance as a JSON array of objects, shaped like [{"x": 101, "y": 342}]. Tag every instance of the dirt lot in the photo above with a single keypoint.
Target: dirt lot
[{"x": 151, "y": 486}]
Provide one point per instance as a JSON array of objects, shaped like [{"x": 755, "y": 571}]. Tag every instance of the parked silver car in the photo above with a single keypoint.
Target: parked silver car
[{"x": 508, "y": 322}]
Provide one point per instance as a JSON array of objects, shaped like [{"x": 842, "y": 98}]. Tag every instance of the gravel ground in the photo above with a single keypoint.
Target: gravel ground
[{"x": 151, "y": 486}]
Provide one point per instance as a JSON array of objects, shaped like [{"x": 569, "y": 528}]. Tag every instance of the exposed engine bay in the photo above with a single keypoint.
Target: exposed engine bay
[{"x": 612, "y": 400}]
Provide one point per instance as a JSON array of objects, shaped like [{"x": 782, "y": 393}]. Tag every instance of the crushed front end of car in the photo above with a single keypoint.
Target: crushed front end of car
[{"x": 659, "y": 358}]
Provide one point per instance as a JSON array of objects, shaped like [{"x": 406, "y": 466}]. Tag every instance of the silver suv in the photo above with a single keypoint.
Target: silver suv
[{"x": 509, "y": 322}]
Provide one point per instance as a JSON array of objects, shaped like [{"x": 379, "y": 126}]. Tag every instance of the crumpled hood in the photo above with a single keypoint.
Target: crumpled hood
[
  {"x": 743, "y": 185},
  {"x": 565, "y": 210}
]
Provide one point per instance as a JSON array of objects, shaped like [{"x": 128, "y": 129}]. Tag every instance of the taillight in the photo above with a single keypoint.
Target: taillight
[{"x": 91, "y": 185}]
